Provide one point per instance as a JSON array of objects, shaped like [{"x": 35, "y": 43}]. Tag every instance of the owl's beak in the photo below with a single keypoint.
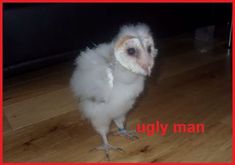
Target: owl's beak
[
  {"x": 146, "y": 64},
  {"x": 147, "y": 69}
]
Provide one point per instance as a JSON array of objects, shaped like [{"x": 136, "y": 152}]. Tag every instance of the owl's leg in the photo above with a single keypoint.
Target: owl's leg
[
  {"x": 130, "y": 134},
  {"x": 102, "y": 128}
]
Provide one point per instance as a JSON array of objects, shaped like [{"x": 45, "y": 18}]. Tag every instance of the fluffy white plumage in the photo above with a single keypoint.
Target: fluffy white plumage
[{"x": 108, "y": 78}]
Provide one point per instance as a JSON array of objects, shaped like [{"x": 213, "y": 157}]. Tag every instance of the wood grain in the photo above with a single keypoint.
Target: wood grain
[{"x": 42, "y": 123}]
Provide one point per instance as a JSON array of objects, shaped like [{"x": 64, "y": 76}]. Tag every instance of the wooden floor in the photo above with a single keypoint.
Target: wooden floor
[{"x": 42, "y": 123}]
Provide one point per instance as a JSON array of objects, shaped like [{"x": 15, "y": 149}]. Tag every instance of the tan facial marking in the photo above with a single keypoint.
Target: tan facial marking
[{"x": 122, "y": 40}]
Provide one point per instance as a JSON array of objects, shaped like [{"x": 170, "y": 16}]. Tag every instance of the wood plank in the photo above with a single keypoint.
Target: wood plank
[
  {"x": 186, "y": 88},
  {"x": 42, "y": 107},
  {"x": 6, "y": 125}
]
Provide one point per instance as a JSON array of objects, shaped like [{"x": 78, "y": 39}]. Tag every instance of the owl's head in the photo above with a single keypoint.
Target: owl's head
[{"x": 134, "y": 49}]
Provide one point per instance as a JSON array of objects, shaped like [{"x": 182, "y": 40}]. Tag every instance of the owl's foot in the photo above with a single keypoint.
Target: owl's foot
[
  {"x": 130, "y": 134},
  {"x": 106, "y": 148}
]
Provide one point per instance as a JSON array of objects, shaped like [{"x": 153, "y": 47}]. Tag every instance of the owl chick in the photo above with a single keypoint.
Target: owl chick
[{"x": 108, "y": 79}]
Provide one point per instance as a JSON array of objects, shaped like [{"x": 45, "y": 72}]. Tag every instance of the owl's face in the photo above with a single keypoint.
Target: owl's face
[{"x": 136, "y": 53}]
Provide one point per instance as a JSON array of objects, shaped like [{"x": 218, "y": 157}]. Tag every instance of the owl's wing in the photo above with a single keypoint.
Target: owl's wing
[{"x": 93, "y": 78}]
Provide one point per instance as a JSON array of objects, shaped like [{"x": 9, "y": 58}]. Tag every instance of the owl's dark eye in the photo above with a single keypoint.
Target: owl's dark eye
[
  {"x": 149, "y": 49},
  {"x": 131, "y": 51}
]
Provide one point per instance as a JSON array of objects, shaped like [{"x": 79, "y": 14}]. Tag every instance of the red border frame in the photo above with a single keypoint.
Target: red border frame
[
  {"x": 111, "y": 1},
  {"x": 117, "y": 1}
]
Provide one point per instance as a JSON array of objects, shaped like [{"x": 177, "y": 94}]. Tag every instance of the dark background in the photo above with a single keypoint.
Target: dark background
[{"x": 38, "y": 35}]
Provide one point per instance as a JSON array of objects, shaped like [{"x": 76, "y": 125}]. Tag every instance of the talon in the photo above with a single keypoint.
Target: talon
[
  {"x": 128, "y": 134},
  {"x": 107, "y": 156},
  {"x": 107, "y": 148}
]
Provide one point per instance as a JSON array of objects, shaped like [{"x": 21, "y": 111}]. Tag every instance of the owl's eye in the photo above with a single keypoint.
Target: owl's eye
[
  {"x": 131, "y": 51},
  {"x": 149, "y": 49}
]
